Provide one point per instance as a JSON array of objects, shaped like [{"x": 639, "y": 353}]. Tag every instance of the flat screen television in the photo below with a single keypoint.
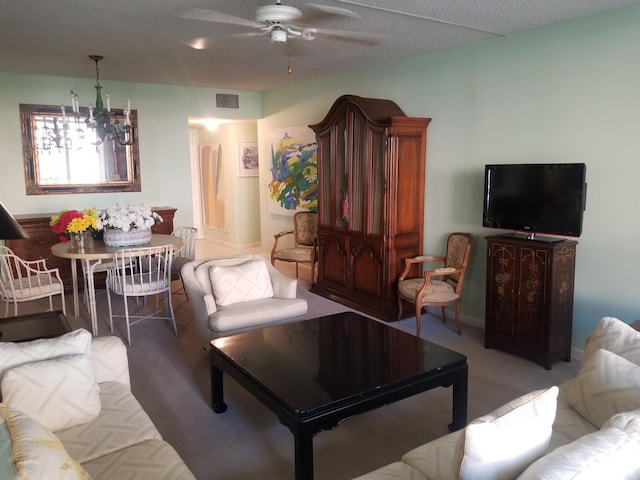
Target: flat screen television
[{"x": 547, "y": 198}]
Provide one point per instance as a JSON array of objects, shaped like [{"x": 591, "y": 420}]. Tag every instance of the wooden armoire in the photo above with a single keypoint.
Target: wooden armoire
[{"x": 371, "y": 174}]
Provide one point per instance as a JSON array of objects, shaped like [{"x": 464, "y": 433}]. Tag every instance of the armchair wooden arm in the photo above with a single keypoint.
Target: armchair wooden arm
[
  {"x": 277, "y": 237},
  {"x": 410, "y": 262}
]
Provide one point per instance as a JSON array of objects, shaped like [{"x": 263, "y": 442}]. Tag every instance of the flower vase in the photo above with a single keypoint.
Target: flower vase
[{"x": 80, "y": 240}]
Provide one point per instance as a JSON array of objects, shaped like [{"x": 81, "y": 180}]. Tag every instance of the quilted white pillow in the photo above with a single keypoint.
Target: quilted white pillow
[
  {"x": 34, "y": 451},
  {"x": 58, "y": 393},
  {"x": 606, "y": 384},
  {"x": 607, "y": 453},
  {"x": 617, "y": 337},
  {"x": 240, "y": 283},
  {"x": 14, "y": 354},
  {"x": 504, "y": 443}
]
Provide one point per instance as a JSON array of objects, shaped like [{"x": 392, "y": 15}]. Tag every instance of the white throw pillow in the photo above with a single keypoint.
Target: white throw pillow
[
  {"x": 502, "y": 444},
  {"x": 607, "y": 453},
  {"x": 606, "y": 384},
  {"x": 14, "y": 354},
  {"x": 617, "y": 337},
  {"x": 240, "y": 283},
  {"x": 58, "y": 393},
  {"x": 35, "y": 452}
]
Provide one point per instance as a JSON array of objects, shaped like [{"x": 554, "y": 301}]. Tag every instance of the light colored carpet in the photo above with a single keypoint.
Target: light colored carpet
[{"x": 170, "y": 378}]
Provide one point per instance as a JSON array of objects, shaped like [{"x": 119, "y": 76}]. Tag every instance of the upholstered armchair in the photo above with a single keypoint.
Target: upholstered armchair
[
  {"x": 239, "y": 293},
  {"x": 304, "y": 250},
  {"x": 439, "y": 287}
]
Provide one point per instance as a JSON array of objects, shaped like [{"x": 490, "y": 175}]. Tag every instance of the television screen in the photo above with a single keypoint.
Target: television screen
[{"x": 535, "y": 198}]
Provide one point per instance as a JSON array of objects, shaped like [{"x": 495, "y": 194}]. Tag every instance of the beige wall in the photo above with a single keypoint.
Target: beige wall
[{"x": 242, "y": 200}]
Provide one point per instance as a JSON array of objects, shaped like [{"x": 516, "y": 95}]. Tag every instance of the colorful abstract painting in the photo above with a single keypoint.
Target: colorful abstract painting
[{"x": 294, "y": 170}]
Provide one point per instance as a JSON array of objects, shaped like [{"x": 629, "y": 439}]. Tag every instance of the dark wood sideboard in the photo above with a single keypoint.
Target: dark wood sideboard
[{"x": 42, "y": 238}]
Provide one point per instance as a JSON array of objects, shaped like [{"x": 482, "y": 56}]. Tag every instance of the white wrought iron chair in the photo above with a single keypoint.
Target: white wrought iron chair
[
  {"x": 184, "y": 254},
  {"x": 141, "y": 272},
  {"x": 27, "y": 280}
]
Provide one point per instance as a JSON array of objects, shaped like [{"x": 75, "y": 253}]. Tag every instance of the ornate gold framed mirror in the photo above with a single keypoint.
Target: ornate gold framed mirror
[{"x": 62, "y": 154}]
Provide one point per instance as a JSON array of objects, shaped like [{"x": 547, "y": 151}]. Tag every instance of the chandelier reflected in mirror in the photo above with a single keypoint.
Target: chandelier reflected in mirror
[{"x": 100, "y": 119}]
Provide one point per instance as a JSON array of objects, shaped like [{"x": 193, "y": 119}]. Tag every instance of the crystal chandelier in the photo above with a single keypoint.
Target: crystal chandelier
[{"x": 105, "y": 123}]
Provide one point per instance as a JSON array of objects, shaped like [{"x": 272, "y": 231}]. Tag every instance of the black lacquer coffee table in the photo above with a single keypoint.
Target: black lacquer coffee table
[
  {"x": 315, "y": 373},
  {"x": 33, "y": 326}
]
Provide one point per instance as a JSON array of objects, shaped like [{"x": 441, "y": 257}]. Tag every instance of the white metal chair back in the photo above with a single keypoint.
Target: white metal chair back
[
  {"x": 187, "y": 252},
  {"x": 27, "y": 280},
  {"x": 141, "y": 272}
]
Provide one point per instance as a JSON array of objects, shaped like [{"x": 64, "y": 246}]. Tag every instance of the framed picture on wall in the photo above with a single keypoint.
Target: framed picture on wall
[{"x": 248, "y": 159}]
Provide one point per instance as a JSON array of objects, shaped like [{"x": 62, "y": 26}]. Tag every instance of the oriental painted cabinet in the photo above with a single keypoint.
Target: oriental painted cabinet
[
  {"x": 529, "y": 304},
  {"x": 371, "y": 174}
]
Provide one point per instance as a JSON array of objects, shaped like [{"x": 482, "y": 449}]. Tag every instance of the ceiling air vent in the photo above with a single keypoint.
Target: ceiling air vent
[{"x": 227, "y": 100}]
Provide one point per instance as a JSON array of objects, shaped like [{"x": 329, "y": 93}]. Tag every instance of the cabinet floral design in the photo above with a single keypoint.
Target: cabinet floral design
[{"x": 529, "y": 305}]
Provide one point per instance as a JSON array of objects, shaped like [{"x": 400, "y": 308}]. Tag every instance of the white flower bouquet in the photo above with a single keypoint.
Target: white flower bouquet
[{"x": 128, "y": 217}]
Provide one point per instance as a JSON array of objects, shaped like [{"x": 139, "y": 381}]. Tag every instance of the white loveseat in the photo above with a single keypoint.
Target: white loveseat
[
  {"x": 591, "y": 431},
  {"x": 81, "y": 384},
  {"x": 238, "y": 293}
]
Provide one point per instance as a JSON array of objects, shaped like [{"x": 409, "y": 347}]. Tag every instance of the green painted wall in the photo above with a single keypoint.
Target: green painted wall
[{"x": 565, "y": 93}]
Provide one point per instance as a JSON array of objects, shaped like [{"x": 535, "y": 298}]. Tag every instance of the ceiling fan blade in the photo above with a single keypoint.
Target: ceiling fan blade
[
  {"x": 363, "y": 38},
  {"x": 423, "y": 17},
  {"x": 322, "y": 12},
  {"x": 212, "y": 16}
]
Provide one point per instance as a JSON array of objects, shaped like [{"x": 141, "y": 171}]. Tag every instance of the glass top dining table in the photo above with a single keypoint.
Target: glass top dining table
[{"x": 94, "y": 254}]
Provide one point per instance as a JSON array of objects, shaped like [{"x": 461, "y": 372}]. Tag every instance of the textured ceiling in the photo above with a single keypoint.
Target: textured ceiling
[{"x": 145, "y": 40}]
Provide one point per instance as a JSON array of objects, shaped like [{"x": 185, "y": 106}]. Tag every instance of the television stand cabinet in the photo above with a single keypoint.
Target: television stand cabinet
[{"x": 529, "y": 304}]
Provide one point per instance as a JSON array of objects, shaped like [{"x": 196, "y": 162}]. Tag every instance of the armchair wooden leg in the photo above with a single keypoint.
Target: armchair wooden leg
[
  {"x": 399, "y": 307},
  {"x": 444, "y": 314},
  {"x": 418, "y": 319}
]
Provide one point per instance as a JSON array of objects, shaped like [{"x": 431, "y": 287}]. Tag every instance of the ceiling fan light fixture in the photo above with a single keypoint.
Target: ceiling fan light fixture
[{"x": 278, "y": 36}]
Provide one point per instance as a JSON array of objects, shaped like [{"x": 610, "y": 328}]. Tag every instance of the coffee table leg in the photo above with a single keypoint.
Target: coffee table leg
[
  {"x": 303, "y": 456},
  {"x": 217, "y": 390},
  {"x": 460, "y": 401}
]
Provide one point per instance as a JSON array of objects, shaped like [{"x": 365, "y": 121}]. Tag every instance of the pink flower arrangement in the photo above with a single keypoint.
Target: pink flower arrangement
[{"x": 74, "y": 221}]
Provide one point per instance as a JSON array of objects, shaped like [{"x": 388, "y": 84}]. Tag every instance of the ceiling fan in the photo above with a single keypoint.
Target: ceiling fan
[{"x": 282, "y": 23}]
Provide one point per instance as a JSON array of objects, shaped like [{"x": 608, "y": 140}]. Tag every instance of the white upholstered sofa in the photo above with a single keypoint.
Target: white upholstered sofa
[
  {"x": 590, "y": 431},
  {"x": 237, "y": 293},
  {"x": 67, "y": 412}
]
